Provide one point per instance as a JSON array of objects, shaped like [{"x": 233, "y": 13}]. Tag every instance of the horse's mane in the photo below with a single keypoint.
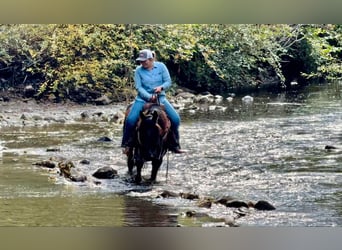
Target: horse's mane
[{"x": 163, "y": 119}]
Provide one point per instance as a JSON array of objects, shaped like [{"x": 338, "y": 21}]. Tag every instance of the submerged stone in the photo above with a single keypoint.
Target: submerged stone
[
  {"x": 263, "y": 205},
  {"x": 105, "y": 173}
]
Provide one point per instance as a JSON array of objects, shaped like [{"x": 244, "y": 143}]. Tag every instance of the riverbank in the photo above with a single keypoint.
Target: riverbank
[
  {"x": 16, "y": 111},
  {"x": 28, "y": 112}
]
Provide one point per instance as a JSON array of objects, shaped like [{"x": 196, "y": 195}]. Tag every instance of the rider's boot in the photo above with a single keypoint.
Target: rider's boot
[{"x": 173, "y": 142}]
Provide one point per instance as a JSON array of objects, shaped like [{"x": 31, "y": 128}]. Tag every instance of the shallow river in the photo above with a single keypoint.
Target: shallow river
[{"x": 272, "y": 149}]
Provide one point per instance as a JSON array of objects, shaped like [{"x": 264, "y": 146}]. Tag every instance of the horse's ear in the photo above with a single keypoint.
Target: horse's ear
[{"x": 155, "y": 116}]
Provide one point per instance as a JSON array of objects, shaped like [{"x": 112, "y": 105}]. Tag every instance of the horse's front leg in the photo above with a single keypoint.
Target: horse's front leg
[
  {"x": 130, "y": 161},
  {"x": 139, "y": 165},
  {"x": 155, "y": 167}
]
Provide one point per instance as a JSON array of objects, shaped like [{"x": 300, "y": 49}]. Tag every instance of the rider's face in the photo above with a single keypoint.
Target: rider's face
[{"x": 147, "y": 64}]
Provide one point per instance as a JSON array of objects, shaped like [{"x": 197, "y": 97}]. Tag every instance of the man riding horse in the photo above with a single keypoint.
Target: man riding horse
[{"x": 151, "y": 78}]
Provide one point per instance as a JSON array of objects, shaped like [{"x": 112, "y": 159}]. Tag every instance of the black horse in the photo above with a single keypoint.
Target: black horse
[{"x": 151, "y": 139}]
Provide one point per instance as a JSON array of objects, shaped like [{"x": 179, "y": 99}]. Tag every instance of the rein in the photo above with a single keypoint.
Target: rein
[
  {"x": 167, "y": 165},
  {"x": 157, "y": 98}
]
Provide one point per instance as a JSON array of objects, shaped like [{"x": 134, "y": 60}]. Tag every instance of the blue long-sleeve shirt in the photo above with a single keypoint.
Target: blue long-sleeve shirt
[{"x": 147, "y": 80}]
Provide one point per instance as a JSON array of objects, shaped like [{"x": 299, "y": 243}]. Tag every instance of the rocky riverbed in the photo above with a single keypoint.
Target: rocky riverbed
[
  {"x": 24, "y": 113},
  {"x": 248, "y": 150}
]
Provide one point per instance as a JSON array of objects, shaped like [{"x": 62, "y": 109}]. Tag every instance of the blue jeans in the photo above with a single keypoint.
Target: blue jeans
[{"x": 134, "y": 114}]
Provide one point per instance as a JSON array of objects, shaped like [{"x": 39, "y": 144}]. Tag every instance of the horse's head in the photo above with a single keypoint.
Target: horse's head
[{"x": 150, "y": 135}]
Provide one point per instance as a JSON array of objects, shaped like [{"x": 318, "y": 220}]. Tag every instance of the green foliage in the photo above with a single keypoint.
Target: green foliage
[
  {"x": 88, "y": 56},
  {"x": 237, "y": 54},
  {"x": 325, "y": 45},
  {"x": 83, "y": 62}
]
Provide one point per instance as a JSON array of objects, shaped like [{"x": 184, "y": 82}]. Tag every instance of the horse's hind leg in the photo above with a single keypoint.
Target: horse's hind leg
[{"x": 155, "y": 167}]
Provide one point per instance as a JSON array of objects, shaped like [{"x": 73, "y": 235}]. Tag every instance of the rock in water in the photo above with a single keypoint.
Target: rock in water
[
  {"x": 263, "y": 205},
  {"x": 47, "y": 164},
  {"x": 236, "y": 204},
  {"x": 104, "y": 139},
  {"x": 105, "y": 173}
]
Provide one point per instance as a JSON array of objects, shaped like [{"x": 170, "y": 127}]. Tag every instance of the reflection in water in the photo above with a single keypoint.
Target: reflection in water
[{"x": 142, "y": 213}]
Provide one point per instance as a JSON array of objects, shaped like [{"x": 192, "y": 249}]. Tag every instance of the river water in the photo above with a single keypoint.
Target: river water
[{"x": 271, "y": 149}]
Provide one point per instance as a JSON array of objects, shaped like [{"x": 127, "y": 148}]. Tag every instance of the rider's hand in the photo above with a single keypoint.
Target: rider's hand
[
  {"x": 153, "y": 98},
  {"x": 157, "y": 90}
]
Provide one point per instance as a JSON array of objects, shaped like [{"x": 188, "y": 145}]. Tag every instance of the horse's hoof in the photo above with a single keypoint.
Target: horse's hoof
[
  {"x": 128, "y": 179},
  {"x": 151, "y": 181},
  {"x": 137, "y": 180}
]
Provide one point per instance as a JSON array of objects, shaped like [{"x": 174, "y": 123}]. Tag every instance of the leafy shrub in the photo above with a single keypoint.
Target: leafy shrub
[{"x": 83, "y": 62}]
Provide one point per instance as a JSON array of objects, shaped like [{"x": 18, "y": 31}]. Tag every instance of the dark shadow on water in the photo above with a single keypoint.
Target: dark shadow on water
[{"x": 143, "y": 213}]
